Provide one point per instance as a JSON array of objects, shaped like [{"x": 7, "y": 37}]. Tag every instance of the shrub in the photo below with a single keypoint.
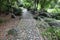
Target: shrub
[
  {"x": 52, "y": 33},
  {"x": 17, "y": 12}
]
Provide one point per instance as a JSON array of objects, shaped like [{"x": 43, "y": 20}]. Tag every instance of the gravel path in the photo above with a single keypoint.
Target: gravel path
[{"x": 26, "y": 28}]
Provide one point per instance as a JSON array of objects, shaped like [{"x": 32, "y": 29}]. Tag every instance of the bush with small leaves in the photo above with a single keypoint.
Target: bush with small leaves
[{"x": 52, "y": 33}]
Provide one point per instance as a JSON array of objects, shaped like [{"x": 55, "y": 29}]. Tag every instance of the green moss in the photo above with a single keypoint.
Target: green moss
[{"x": 12, "y": 32}]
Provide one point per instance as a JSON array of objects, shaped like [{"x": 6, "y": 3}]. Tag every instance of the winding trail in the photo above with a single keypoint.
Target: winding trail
[{"x": 26, "y": 28}]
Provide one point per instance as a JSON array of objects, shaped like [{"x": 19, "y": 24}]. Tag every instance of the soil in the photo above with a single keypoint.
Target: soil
[{"x": 9, "y": 23}]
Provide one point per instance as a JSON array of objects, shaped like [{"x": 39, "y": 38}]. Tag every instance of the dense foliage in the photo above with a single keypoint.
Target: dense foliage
[
  {"x": 52, "y": 33},
  {"x": 30, "y": 4},
  {"x": 41, "y": 4},
  {"x": 6, "y": 4}
]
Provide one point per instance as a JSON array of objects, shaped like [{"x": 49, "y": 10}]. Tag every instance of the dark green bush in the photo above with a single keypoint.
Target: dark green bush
[{"x": 17, "y": 12}]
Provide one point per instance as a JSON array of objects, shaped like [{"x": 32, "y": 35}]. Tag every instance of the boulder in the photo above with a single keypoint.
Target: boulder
[
  {"x": 13, "y": 15},
  {"x": 52, "y": 22},
  {"x": 45, "y": 14},
  {"x": 56, "y": 16}
]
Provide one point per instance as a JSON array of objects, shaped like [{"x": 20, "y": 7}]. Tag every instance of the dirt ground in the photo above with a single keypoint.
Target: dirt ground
[{"x": 10, "y": 23}]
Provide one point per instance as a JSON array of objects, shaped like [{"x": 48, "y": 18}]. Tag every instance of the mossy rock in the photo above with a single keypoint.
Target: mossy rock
[
  {"x": 12, "y": 32},
  {"x": 58, "y": 17}
]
